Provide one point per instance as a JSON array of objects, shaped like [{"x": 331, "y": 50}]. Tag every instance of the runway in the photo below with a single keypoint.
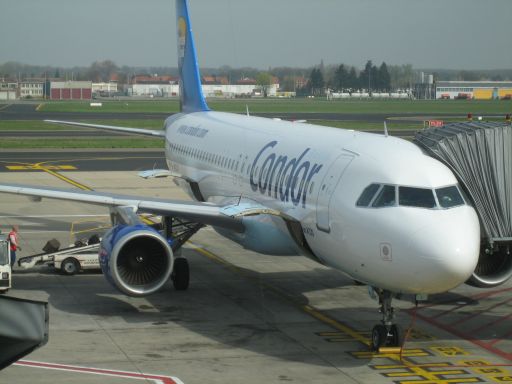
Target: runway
[{"x": 246, "y": 317}]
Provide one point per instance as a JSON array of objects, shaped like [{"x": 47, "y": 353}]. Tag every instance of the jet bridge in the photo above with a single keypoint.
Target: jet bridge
[
  {"x": 23, "y": 328},
  {"x": 480, "y": 155}
]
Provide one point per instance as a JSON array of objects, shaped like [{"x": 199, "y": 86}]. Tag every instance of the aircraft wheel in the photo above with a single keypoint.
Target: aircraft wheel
[
  {"x": 396, "y": 336},
  {"x": 70, "y": 266},
  {"x": 181, "y": 274},
  {"x": 379, "y": 337}
]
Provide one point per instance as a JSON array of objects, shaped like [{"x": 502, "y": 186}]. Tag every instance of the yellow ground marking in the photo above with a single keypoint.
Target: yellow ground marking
[
  {"x": 474, "y": 363},
  {"x": 35, "y": 167},
  {"x": 487, "y": 371},
  {"x": 5, "y": 106},
  {"x": 450, "y": 351},
  {"x": 66, "y": 179},
  {"x": 486, "y": 368},
  {"x": 391, "y": 355},
  {"x": 389, "y": 350},
  {"x": 39, "y": 106},
  {"x": 443, "y": 373},
  {"x": 401, "y": 366},
  {"x": 437, "y": 380},
  {"x": 502, "y": 379}
]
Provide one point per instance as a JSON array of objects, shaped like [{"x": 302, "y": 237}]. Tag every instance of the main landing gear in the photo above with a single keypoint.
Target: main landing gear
[
  {"x": 386, "y": 334},
  {"x": 177, "y": 232}
]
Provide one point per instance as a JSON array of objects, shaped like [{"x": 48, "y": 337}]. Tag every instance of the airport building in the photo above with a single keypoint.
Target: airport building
[
  {"x": 104, "y": 88},
  {"x": 31, "y": 89},
  {"x": 68, "y": 90},
  {"x": 478, "y": 90},
  {"x": 166, "y": 86},
  {"x": 8, "y": 91}
]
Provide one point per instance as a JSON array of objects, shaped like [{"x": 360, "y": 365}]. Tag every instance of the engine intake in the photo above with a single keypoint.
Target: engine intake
[
  {"x": 494, "y": 266},
  {"x": 137, "y": 260}
]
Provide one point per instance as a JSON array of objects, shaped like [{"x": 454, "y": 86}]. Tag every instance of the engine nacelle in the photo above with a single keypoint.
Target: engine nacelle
[
  {"x": 136, "y": 259},
  {"x": 494, "y": 266}
]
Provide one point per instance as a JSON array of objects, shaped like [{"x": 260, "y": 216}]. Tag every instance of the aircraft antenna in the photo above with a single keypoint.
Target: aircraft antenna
[
  {"x": 385, "y": 129},
  {"x": 247, "y": 109}
]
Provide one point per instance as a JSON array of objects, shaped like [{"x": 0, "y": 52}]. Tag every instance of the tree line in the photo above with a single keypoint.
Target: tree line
[
  {"x": 338, "y": 78},
  {"x": 347, "y": 79}
]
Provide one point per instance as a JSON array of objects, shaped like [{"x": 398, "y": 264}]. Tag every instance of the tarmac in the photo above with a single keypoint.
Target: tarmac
[{"x": 247, "y": 317}]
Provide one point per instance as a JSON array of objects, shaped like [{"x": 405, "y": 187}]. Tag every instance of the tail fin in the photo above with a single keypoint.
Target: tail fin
[{"x": 191, "y": 93}]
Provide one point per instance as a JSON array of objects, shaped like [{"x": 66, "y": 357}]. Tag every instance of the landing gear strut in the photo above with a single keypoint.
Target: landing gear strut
[{"x": 386, "y": 334}]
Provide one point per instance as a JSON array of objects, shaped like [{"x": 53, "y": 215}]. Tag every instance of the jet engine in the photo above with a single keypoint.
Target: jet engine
[
  {"x": 494, "y": 266},
  {"x": 135, "y": 259}
]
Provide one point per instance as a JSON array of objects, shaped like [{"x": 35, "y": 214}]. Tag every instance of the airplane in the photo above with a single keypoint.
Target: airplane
[{"x": 372, "y": 206}]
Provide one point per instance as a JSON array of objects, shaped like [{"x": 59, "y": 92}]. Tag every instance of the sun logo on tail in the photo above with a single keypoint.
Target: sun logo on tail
[{"x": 182, "y": 37}]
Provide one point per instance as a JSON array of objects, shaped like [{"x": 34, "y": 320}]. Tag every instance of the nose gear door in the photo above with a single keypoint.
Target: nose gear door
[{"x": 326, "y": 190}]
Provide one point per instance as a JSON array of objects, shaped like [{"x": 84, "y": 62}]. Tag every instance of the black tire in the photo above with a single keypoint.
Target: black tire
[
  {"x": 396, "y": 336},
  {"x": 379, "y": 337},
  {"x": 70, "y": 266},
  {"x": 3, "y": 292},
  {"x": 181, "y": 274}
]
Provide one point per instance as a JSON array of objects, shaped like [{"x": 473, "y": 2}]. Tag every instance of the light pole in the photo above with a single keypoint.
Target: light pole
[{"x": 369, "y": 77}]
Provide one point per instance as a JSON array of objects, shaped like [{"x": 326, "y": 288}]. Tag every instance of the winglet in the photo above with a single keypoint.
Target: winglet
[{"x": 191, "y": 93}]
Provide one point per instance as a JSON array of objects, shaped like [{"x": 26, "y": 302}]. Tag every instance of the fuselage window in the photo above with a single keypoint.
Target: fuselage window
[
  {"x": 416, "y": 197},
  {"x": 386, "y": 197},
  {"x": 367, "y": 195},
  {"x": 449, "y": 197}
]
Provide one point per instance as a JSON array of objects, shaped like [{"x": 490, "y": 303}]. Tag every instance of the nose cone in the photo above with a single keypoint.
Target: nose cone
[{"x": 448, "y": 249}]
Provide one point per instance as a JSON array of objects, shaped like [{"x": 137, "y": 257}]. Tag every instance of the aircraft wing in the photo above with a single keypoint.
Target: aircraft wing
[
  {"x": 138, "y": 131},
  {"x": 204, "y": 213}
]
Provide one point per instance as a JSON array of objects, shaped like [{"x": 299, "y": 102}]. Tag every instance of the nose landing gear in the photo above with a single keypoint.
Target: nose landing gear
[{"x": 386, "y": 334}]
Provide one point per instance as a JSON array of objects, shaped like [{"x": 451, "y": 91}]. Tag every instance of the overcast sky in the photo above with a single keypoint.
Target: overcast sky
[{"x": 457, "y": 34}]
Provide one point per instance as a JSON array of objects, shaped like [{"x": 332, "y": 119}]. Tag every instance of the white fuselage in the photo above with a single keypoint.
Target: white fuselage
[{"x": 315, "y": 175}]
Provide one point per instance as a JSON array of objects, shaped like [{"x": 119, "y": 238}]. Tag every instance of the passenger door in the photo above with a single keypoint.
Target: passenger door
[{"x": 326, "y": 190}]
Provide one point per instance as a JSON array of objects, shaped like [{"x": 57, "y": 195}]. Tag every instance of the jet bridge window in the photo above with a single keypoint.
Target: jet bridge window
[
  {"x": 416, "y": 197},
  {"x": 367, "y": 195},
  {"x": 449, "y": 197},
  {"x": 386, "y": 197}
]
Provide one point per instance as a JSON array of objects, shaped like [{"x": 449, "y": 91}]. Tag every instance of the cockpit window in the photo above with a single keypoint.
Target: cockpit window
[
  {"x": 386, "y": 197},
  {"x": 416, "y": 197},
  {"x": 449, "y": 197},
  {"x": 367, "y": 195}
]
